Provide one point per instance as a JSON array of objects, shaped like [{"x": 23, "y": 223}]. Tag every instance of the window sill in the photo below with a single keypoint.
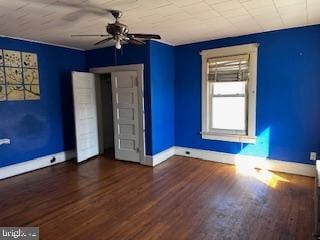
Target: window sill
[{"x": 229, "y": 138}]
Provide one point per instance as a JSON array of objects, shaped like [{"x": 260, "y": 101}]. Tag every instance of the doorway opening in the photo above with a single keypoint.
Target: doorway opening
[{"x": 105, "y": 113}]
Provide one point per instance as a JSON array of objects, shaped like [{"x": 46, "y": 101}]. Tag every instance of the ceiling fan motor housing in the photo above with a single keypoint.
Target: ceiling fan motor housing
[{"x": 117, "y": 29}]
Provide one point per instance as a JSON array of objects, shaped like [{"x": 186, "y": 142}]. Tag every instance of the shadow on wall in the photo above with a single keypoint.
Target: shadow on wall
[
  {"x": 28, "y": 129},
  {"x": 67, "y": 116}
]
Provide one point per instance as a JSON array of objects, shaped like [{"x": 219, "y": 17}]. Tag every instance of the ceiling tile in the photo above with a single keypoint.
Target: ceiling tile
[
  {"x": 292, "y": 8},
  {"x": 196, "y": 8},
  {"x": 263, "y": 11},
  {"x": 284, "y": 3},
  {"x": 166, "y": 10},
  {"x": 235, "y": 12},
  {"x": 226, "y": 6},
  {"x": 182, "y": 3},
  {"x": 252, "y": 4}
]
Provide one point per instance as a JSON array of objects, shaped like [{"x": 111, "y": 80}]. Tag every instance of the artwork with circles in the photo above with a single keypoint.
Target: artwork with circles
[{"x": 19, "y": 76}]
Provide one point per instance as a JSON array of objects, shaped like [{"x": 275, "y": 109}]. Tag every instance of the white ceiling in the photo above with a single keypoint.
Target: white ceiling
[{"x": 177, "y": 21}]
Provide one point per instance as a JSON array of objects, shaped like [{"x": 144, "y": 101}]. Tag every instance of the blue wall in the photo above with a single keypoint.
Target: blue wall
[
  {"x": 162, "y": 96},
  {"x": 42, "y": 127},
  {"x": 288, "y": 109}
]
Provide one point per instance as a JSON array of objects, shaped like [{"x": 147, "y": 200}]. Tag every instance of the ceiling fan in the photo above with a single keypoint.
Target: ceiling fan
[{"x": 119, "y": 33}]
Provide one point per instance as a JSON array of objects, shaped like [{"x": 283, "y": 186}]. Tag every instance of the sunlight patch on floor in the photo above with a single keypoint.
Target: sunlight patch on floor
[{"x": 258, "y": 169}]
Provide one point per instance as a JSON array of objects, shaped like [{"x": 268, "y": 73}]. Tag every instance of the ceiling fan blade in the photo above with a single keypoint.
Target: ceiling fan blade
[
  {"x": 87, "y": 7},
  {"x": 74, "y": 16},
  {"x": 135, "y": 41},
  {"x": 89, "y": 35},
  {"x": 146, "y": 36},
  {"x": 103, "y": 41}
]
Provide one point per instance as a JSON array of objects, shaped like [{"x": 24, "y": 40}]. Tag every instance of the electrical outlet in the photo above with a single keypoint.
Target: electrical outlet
[
  {"x": 4, "y": 141},
  {"x": 53, "y": 159},
  {"x": 313, "y": 156}
]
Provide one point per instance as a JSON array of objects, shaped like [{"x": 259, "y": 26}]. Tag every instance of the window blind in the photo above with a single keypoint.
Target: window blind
[{"x": 228, "y": 69}]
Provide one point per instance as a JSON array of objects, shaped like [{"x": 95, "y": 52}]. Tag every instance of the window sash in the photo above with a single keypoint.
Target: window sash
[
  {"x": 228, "y": 131},
  {"x": 211, "y": 95},
  {"x": 240, "y": 89}
]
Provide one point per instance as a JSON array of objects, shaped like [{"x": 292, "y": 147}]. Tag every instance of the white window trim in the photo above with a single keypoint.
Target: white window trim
[{"x": 252, "y": 50}]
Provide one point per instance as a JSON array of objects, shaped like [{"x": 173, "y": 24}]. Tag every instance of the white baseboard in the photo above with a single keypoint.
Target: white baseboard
[
  {"x": 147, "y": 161},
  {"x": 244, "y": 161},
  {"x": 159, "y": 157},
  {"x": 35, "y": 164},
  {"x": 228, "y": 158}
]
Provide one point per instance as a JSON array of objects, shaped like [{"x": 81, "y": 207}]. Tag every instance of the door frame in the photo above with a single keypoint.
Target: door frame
[{"x": 139, "y": 68}]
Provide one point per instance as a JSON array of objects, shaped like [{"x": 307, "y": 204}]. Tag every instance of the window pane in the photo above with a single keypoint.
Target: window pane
[
  {"x": 229, "y": 88},
  {"x": 229, "y": 113}
]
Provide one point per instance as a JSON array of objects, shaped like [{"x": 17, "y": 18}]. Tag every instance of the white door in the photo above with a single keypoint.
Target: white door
[
  {"x": 85, "y": 109},
  {"x": 125, "y": 115}
]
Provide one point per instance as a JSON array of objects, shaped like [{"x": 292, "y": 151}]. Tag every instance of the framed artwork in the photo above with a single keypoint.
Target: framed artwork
[
  {"x": 1, "y": 58},
  {"x": 19, "y": 76},
  {"x": 29, "y": 60},
  {"x": 12, "y": 58},
  {"x": 2, "y": 79},
  {"x": 13, "y": 76},
  {"x": 15, "y": 92},
  {"x": 3, "y": 96}
]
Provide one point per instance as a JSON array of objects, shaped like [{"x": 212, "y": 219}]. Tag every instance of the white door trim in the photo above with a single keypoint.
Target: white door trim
[{"x": 139, "y": 69}]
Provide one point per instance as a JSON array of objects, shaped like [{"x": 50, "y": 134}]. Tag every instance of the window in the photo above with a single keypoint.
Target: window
[{"x": 229, "y": 93}]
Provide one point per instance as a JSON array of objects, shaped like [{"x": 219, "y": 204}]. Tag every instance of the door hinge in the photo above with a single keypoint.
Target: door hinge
[{"x": 137, "y": 149}]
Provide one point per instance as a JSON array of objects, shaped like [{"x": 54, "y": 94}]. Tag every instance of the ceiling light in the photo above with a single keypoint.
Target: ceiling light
[{"x": 118, "y": 44}]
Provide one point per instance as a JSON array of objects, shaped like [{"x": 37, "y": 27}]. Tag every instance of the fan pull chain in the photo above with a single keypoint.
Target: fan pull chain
[{"x": 115, "y": 56}]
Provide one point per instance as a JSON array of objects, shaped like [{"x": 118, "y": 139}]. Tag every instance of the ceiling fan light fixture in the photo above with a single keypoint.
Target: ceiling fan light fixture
[{"x": 118, "y": 44}]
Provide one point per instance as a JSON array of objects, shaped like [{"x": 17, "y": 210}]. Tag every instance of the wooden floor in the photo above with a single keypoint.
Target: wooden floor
[{"x": 183, "y": 198}]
